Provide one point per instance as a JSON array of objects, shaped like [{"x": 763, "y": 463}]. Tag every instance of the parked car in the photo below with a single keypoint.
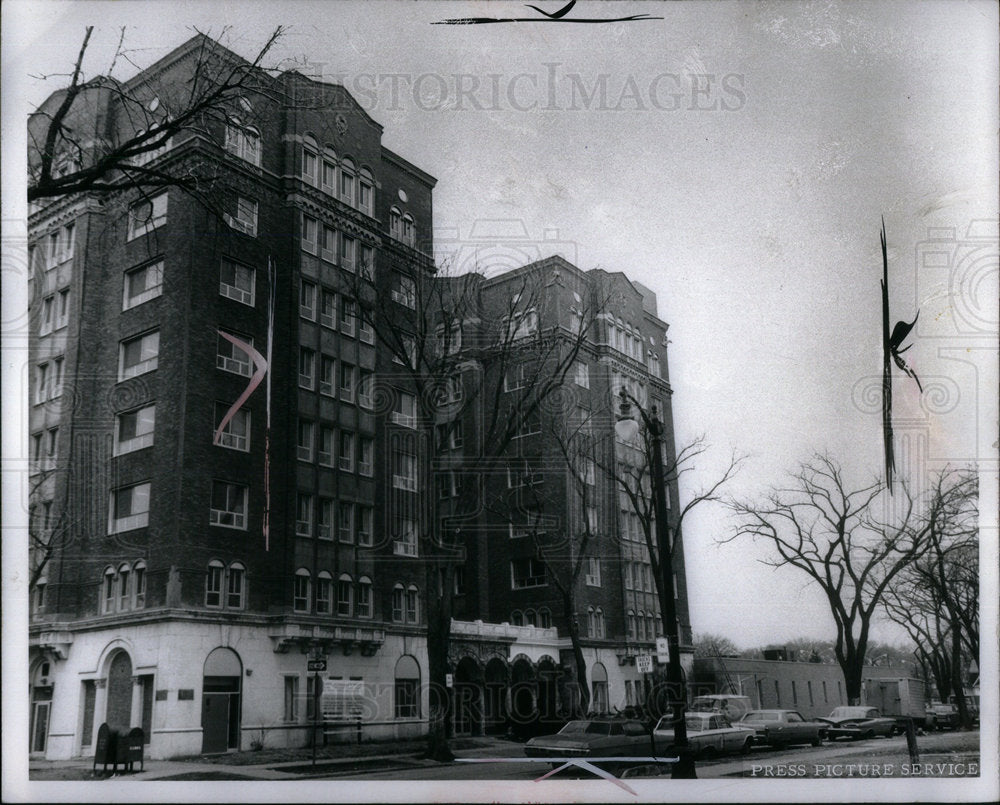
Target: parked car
[
  {"x": 594, "y": 738},
  {"x": 783, "y": 727},
  {"x": 940, "y": 716},
  {"x": 730, "y": 705},
  {"x": 708, "y": 734},
  {"x": 852, "y": 721}
]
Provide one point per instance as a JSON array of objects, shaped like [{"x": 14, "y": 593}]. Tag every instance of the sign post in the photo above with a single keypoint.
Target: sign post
[
  {"x": 662, "y": 650},
  {"x": 316, "y": 664}
]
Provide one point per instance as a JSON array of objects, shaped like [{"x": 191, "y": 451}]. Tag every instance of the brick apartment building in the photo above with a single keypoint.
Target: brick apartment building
[{"x": 199, "y": 550}]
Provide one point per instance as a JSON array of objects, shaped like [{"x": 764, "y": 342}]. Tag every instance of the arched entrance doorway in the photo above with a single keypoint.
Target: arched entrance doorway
[
  {"x": 523, "y": 714},
  {"x": 468, "y": 707},
  {"x": 220, "y": 701},
  {"x": 119, "y": 709},
  {"x": 496, "y": 697},
  {"x": 548, "y": 699}
]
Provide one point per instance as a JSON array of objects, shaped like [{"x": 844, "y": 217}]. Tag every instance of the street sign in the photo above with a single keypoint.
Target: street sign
[
  {"x": 662, "y": 650},
  {"x": 316, "y": 665},
  {"x": 449, "y": 680},
  {"x": 644, "y": 664}
]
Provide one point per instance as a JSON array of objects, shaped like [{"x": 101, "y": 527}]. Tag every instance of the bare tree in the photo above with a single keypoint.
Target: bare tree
[
  {"x": 453, "y": 351},
  {"x": 833, "y": 534},
  {"x": 67, "y": 155},
  {"x": 714, "y": 645},
  {"x": 937, "y": 597}
]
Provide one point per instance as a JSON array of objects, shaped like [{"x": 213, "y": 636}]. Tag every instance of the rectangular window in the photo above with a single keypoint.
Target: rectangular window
[
  {"x": 326, "y": 440},
  {"x": 347, "y": 252},
  {"x": 41, "y": 383},
  {"x": 245, "y": 220},
  {"x": 328, "y": 309},
  {"x": 307, "y": 300},
  {"x": 364, "y": 608},
  {"x": 366, "y": 456},
  {"x": 529, "y": 425},
  {"x": 325, "y": 520},
  {"x": 346, "y": 382},
  {"x": 213, "y": 586},
  {"x": 365, "y": 331},
  {"x": 327, "y": 376},
  {"x": 62, "y": 309},
  {"x": 229, "y": 505},
  {"x": 129, "y": 508},
  {"x": 366, "y": 262},
  {"x": 56, "y": 379},
  {"x": 309, "y": 233},
  {"x": 345, "y": 522},
  {"x": 237, "y": 282},
  {"x": 300, "y": 593},
  {"x": 449, "y": 435},
  {"x": 139, "y": 582},
  {"x": 291, "y": 698},
  {"x": 404, "y": 474},
  {"x": 307, "y": 367},
  {"x": 48, "y": 314},
  {"x": 234, "y": 587},
  {"x": 328, "y": 244},
  {"x": 412, "y": 605},
  {"x": 366, "y": 388},
  {"x": 449, "y": 339},
  {"x": 593, "y": 572},
  {"x": 529, "y": 572},
  {"x": 345, "y": 597},
  {"x": 405, "y": 411},
  {"x": 304, "y": 515},
  {"x": 139, "y": 355},
  {"x": 347, "y": 316},
  {"x": 581, "y": 374},
  {"x": 243, "y": 142},
  {"x": 515, "y": 378},
  {"x": 405, "y": 291},
  {"x": 365, "y": 196},
  {"x": 347, "y": 186},
  {"x": 329, "y": 177},
  {"x": 236, "y": 434},
  {"x": 134, "y": 429},
  {"x": 407, "y": 700},
  {"x": 345, "y": 459},
  {"x": 231, "y": 358},
  {"x": 304, "y": 446},
  {"x": 365, "y": 530},
  {"x": 146, "y": 215},
  {"x": 323, "y": 594},
  {"x": 405, "y": 543}
]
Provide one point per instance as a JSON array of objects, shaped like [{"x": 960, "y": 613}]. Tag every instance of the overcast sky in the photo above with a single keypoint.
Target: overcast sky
[{"x": 734, "y": 157}]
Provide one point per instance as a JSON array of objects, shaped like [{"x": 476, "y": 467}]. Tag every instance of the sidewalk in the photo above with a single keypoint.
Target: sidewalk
[{"x": 275, "y": 764}]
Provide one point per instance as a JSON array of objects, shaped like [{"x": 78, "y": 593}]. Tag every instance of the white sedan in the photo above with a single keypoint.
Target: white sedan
[{"x": 708, "y": 734}]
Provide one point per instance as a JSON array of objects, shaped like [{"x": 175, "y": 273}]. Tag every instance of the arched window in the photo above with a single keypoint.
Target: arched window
[
  {"x": 398, "y": 595},
  {"x": 139, "y": 584},
  {"x": 236, "y": 586},
  {"x": 329, "y": 171},
  {"x": 300, "y": 592},
  {"x": 599, "y": 683},
  {"x": 641, "y": 624},
  {"x": 544, "y": 618},
  {"x": 364, "y": 603},
  {"x": 345, "y": 595},
  {"x": 591, "y": 625},
  {"x": 324, "y": 591},
  {"x": 412, "y": 604},
  {"x": 213, "y": 583},
  {"x": 631, "y": 624},
  {"x": 516, "y": 618},
  {"x": 650, "y": 627},
  {"x": 366, "y": 191},
  {"x": 395, "y": 223},
  {"x": 530, "y": 618},
  {"x": 409, "y": 230},
  {"x": 407, "y": 688},
  {"x": 599, "y": 623},
  {"x": 310, "y": 160},
  {"x": 124, "y": 588},
  {"x": 108, "y": 591},
  {"x": 347, "y": 176}
]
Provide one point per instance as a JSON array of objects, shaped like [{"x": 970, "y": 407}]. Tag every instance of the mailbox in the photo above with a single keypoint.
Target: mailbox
[{"x": 105, "y": 751}]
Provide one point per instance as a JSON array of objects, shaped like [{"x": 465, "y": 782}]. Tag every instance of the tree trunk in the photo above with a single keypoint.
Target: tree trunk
[
  {"x": 582, "y": 702},
  {"x": 957, "y": 682},
  {"x": 438, "y": 635},
  {"x": 852, "y": 680}
]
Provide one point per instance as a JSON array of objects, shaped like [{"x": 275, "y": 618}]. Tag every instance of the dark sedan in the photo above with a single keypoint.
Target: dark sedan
[
  {"x": 779, "y": 728},
  {"x": 857, "y": 722},
  {"x": 595, "y": 738}
]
